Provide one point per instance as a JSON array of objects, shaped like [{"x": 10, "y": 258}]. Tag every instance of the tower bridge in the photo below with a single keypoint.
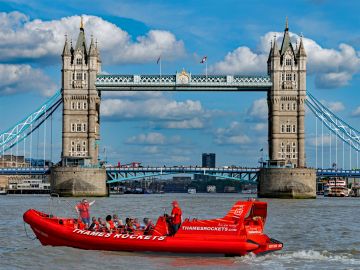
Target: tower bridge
[{"x": 79, "y": 174}]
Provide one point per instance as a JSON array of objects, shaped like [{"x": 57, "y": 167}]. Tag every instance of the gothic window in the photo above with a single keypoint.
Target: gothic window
[
  {"x": 288, "y": 128},
  {"x": 294, "y": 77},
  {"x": 294, "y": 156},
  {"x": 72, "y": 143},
  {"x": 84, "y": 143},
  {"x": 78, "y": 76},
  {"x": 288, "y": 77},
  {"x": 282, "y": 106},
  {"x": 293, "y": 129},
  {"x": 78, "y": 61},
  {"x": 73, "y": 105},
  {"x": 282, "y": 77},
  {"x": 288, "y": 106},
  {"x": 282, "y": 128},
  {"x": 282, "y": 144},
  {"x": 72, "y": 149},
  {"x": 85, "y": 106},
  {"x": 78, "y": 128},
  {"x": 288, "y": 149},
  {"x": 78, "y": 105},
  {"x": 73, "y": 75},
  {"x": 73, "y": 128},
  {"x": 78, "y": 148},
  {"x": 288, "y": 62},
  {"x": 293, "y": 144},
  {"x": 85, "y": 76},
  {"x": 294, "y": 106},
  {"x": 84, "y": 127}
]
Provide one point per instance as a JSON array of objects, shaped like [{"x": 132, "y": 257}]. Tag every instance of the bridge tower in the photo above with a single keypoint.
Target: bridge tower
[
  {"x": 286, "y": 134},
  {"x": 81, "y": 102},
  {"x": 79, "y": 174}
]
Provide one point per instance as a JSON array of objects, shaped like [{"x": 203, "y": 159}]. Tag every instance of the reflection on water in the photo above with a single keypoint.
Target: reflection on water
[{"x": 321, "y": 234}]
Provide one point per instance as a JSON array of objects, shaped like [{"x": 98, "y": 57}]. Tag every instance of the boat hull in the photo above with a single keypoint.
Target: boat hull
[{"x": 55, "y": 232}]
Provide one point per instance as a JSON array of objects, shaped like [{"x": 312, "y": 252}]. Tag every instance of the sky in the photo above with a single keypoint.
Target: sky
[{"x": 175, "y": 128}]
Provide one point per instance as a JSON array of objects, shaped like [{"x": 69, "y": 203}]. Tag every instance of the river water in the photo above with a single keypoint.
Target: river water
[{"x": 317, "y": 234}]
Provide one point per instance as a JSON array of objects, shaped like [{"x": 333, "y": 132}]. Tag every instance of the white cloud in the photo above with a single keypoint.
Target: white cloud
[
  {"x": 241, "y": 61},
  {"x": 331, "y": 67},
  {"x": 22, "y": 38},
  {"x": 258, "y": 110},
  {"x": 356, "y": 112},
  {"x": 334, "y": 106},
  {"x": 23, "y": 78},
  {"x": 259, "y": 127},
  {"x": 325, "y": 140},
  {"x": 162, "y": 112},
  {"x": 194, "y": 123},
  {"x": 153, "y": 138},
  {"x": 231, "y": 135}
]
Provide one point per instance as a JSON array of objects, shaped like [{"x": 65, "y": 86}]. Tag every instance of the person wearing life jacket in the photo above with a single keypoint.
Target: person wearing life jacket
[
  {"x": 81, "y": 225},
  {"x": 136, "y": 224},
  {"x": 110, "y": 227},
  {"x": 176, "y": 217},
  {"x": 117, "y": 222},
  {"x": 94, "y": 226},
  {"x": 149, "y": 227},
  {"x": 83, "y": 209},
  {"x": 129, "y": 226}
]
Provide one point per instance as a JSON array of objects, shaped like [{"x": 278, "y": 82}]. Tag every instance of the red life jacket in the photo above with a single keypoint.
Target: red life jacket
[
  {"x": 176, "y": 212},
  {"x": 83, "y": 209}
]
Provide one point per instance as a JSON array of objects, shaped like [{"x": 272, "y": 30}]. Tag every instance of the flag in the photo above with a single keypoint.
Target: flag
[
  {"x": 203, "y": 60},
  {"x": 262, "y": 149},
  {"x": 158, "y": 60}
]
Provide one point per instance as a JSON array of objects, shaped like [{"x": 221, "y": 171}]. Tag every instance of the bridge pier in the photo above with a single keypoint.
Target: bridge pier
[
  {"x": 78, "y": 182},
  {"x": 287, "y": 183}
]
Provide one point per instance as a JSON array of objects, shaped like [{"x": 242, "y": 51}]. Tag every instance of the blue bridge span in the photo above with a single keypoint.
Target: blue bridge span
[{"x": 116, "y": 174}]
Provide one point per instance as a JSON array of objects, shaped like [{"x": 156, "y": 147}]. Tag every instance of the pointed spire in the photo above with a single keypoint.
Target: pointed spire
[
  {"x": 301, "y": 52},
  {"x": 81, "y": 23},
  {"x": 271, "y": 51},
  {"x": 92, "y": 48},
  {"x": 81, "y": 41},
  {"x": 275, "y": 50},
  {"x": 286, "y": 43},
  {"x": 66, "y": 50}
]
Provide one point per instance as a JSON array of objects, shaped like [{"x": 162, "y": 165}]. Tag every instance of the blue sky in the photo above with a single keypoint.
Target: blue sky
[{"x": 175, "y": 129}]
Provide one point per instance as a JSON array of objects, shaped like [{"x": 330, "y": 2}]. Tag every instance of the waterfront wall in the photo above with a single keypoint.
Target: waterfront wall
[
  {"x": 79, "y": 182},
  {"x": 288, "y": 183}
]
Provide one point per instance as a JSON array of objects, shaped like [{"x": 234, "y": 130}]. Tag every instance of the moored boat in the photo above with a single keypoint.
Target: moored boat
[{"x": 238, "y": 233}]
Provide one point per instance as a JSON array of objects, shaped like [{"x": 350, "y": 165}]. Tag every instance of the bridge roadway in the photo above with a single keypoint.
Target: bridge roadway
[
  {"x": 182, "y": 81},
  {"x": 116, "y": 173}
]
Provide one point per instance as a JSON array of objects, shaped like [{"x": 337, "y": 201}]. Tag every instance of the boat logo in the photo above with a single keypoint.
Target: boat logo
[{"x": 238, "y": 211}]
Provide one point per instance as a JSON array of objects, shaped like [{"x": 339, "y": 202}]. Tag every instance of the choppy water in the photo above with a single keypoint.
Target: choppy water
[{"x": 317, "y": 234}]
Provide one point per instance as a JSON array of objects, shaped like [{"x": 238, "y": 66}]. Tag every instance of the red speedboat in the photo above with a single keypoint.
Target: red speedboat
[{"x": 238, "y": 233}]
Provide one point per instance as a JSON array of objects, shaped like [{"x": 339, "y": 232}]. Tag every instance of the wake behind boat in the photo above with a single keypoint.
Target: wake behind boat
[{"x": 238, "y": 233}]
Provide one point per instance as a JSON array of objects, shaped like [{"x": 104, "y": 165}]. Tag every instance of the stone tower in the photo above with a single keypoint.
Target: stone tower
[
  {"x": 81, "y": 110},
  {"x": 81, "y": 102},
  {"x": 286, "y": 101}
]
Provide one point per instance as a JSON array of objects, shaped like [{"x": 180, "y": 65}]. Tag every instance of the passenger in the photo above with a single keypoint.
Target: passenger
[
  {"x": 101, "y": 222},
  {"x": 149, "y": 227},
  {"x": 83, "y": 209},
  {"x": 94, "y": 226},
  {"x": 117, "y": 222},
  {"x": 81, "y": 225},
  {"x": 129, "y": 226},
  {"x": 110, "y": 227},
  {"x": 136, "y": 224},
  {"x": 176, "y": 217}
]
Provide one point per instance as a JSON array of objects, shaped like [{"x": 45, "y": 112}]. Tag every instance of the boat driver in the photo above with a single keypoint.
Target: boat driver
[
  {"x": 176, "y": 215},
  {"x": 83, "y": 209}
]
